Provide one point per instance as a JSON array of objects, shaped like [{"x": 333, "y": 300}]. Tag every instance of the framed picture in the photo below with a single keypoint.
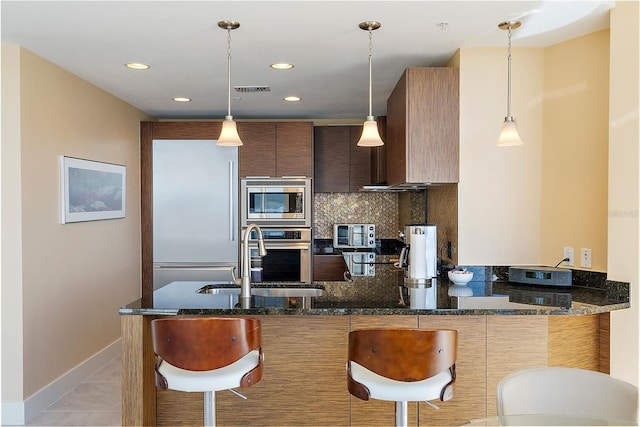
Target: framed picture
[{"x": 91, "y": 190}]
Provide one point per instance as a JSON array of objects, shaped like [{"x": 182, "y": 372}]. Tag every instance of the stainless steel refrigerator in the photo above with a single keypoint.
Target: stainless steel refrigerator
[{"x": 195, "y": 211}]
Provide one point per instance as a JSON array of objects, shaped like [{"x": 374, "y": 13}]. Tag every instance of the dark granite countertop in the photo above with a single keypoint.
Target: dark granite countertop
[{"x": 501, "y": 298}]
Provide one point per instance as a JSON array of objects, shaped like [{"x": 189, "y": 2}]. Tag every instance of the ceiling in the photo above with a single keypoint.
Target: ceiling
[{"x": 187, "y": 51}]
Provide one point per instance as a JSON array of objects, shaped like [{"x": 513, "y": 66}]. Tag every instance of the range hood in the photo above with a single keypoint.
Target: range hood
[{"x": 394, "y": 188}]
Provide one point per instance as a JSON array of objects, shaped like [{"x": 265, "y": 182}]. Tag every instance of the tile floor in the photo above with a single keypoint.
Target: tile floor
[{"x": 95, "y": 402}]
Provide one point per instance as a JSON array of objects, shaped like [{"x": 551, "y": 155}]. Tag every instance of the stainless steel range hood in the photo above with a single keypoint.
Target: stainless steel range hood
[{"x": 394, "y": 188}]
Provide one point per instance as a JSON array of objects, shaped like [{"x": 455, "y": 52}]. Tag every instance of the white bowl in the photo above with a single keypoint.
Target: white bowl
[{"x": 460, "y": 277}]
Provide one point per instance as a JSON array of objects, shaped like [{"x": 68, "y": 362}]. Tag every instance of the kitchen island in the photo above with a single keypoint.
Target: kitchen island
[{"x": 304, "y": 380}]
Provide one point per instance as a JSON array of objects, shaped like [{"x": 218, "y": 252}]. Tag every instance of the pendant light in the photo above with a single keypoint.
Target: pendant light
[
  {"x": 370, "y": 136},
  {"x": 229, "y": 135},
  {"x": 509, "y": 134}
]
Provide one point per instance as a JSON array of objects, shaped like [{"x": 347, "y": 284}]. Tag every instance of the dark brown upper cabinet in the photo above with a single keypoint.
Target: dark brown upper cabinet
[
  {"x": 422, "y": 143},
  {"x": 340, "y": 165},
  {"x": 294, "y": 149},
  {"x": 276, "y": 149}
]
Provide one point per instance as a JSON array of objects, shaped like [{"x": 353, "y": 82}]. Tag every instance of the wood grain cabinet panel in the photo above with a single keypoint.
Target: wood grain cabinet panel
[
  {"x": 276, "y": 149},
  {"x": 513, "y": 343},
  {"x": 294, "y": 149},
  {"x": 340, "y": 165},
  {"x": 331, "y": 157},
  {"x": 423, "y": 127},
  {"x": 329, "y": 268},
  {"x": 303, "y": 381},
  {"x": 359, "y": 161},
  {"x": 469, "y": 396},
  {"x": 257, "y": 155}
]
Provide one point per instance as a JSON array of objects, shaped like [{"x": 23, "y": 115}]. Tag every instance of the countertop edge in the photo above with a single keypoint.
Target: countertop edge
[{"x": 582, "y": 311}]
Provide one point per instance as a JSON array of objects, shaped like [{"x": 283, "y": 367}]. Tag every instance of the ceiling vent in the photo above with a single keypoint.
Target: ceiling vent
[{"x": 249, "y": 89}]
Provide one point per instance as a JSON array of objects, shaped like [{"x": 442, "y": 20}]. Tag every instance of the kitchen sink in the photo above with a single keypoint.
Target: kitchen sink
[{"x": 285, "y": 295}]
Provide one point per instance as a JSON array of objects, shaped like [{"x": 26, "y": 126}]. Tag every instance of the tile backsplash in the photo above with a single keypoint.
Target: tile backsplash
[
  {"x": 389, "y": 212},
  {"x": 379, "y": 208}
]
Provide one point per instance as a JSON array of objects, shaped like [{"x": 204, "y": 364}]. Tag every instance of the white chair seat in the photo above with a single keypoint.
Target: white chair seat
[
  {"x": 383, "y": 388},
  {"x": 217, "y": 379}
]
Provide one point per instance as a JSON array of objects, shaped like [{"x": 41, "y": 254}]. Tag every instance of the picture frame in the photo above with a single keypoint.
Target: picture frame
[{"x": 91, "y": 190}]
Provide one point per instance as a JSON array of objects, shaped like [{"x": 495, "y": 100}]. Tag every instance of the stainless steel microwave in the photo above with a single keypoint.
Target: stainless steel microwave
[{"x": 276, "y": 202}]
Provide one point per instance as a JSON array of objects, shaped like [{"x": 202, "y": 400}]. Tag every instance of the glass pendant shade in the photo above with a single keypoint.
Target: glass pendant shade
[
  {"x": 509, "y": 134},
  {"x": 229, "y": 135},
  {"x": 370, "y": 136}
]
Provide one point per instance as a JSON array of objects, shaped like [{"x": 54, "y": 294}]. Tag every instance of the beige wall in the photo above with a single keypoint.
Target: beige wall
[
  {"x": 529, "y": 202},
  {"x": 574, "y": 154},
  {"x": 72, "y": 277},
  {"x": 11, "y": 261},
  {"x": 499, "y": 193},
  {"x": 623, "y": 238},
  {"x": 511, "y": 210}
]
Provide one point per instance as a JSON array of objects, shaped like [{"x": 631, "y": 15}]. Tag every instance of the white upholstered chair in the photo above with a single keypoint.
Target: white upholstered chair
[
  {"x": 402, "y": 365},
  {"x": 207, "y": 354},
  {"x": 567, "y": 391}
]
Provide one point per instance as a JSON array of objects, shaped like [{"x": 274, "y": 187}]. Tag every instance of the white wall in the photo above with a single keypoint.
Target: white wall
[
  {"x": 624, "y": 255},
  {"x": 65, "y": 282}
]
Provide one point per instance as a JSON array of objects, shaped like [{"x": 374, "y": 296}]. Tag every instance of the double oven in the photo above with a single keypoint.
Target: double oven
[{"x": 282, "y": 208}]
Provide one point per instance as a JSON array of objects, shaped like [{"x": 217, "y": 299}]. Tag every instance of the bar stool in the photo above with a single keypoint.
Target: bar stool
[
  {"x": 207, "y": 354},
  {"x": 402, "y": 365}
]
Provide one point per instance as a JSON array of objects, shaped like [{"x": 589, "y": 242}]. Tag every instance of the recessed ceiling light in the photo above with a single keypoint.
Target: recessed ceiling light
[
  {"x": 292, "y": 98},
  {"x": 181, "y": 99},
  {"x": 282, "y": 66},
  {"x": 137, "y": 66}
]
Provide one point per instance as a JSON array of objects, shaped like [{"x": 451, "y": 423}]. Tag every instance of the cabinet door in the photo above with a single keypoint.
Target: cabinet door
[
  {"x": 433, "y": 125},
  {"x": 257, "y": 155},
  {"x": 359, "y": 161},
  {"x": 396, "y": 133},
  {"x": 331, "y": 159},
  {"x": 294, "y": 149},
  {"x": 329, "y": 268}
]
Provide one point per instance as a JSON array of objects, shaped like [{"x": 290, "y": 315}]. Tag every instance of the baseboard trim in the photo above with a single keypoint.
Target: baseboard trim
[{"x": 20, "y": 413}]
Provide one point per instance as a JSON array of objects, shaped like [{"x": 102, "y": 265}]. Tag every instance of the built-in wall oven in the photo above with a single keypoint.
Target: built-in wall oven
[
  {"x": 276, "y": 202},
  {"x": 289, "y": 255}
]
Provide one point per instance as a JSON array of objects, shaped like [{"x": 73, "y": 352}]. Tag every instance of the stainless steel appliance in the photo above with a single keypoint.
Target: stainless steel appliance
[
  {"x": 360, "y": 263},
  {"x": 419, "y": 259},
  {"x": 195, "y": 187},
  {"x": 276, "y": 202},
  {"x": 289, "y": 255},
  {"x": 354, "y": 236}
]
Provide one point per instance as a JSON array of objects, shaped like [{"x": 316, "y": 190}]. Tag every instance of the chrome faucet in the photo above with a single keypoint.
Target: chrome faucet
[{"x": 245, "y": 264}]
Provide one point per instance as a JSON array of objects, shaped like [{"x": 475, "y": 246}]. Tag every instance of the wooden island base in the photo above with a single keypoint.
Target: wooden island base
[{"x": 304, "y": 379}]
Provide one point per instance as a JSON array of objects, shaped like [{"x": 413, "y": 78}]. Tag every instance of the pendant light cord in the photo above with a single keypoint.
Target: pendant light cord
[
  {"x": 370, "y": 49},
  {"x": 509, "y": 74},
  {"x": 229, "y": 70}
]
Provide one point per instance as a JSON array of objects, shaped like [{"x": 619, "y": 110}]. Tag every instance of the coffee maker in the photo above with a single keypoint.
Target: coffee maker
[{"x": 419, "y": 261}]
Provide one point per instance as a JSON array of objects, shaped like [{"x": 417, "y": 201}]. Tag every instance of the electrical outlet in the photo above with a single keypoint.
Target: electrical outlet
[
  {"x": 585, "y": 257},
  {"x": 568, "y": 253}
]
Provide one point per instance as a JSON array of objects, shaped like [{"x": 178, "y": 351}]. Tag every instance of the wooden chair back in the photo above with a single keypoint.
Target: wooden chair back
[
  {"x": 204, "y": 343},
  {"x": 404, "y": 354}
]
